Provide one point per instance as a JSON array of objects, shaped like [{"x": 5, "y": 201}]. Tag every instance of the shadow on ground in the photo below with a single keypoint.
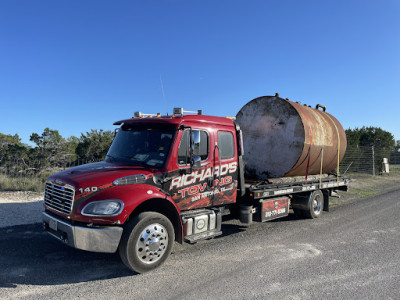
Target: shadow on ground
[{"x": 30, "y": 256}]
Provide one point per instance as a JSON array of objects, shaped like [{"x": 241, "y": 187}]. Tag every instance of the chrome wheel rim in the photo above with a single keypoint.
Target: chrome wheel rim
[
  {"x": 152, "y": 243},
  {"x": 317, "y": 205}
]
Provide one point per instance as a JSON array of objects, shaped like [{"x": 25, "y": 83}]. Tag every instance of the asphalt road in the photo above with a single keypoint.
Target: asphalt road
[{"x": 352, "y": 252}]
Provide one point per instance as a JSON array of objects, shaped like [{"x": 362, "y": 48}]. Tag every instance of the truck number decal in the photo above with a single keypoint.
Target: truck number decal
[{"x": 89, "y": 189}]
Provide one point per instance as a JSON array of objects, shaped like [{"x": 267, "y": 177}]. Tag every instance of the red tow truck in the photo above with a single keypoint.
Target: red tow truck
[{"x": 166, "y": 179}]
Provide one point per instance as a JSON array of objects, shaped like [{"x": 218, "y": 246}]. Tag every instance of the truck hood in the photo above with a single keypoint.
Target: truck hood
[{"x": 97, "y": 174}]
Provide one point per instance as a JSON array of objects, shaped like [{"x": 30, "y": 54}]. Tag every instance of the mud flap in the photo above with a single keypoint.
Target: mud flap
[{"x": 326, "y": 200}]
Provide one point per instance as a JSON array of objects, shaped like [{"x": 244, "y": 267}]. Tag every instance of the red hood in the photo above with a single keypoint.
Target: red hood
[{"x": 97, "y": 174}]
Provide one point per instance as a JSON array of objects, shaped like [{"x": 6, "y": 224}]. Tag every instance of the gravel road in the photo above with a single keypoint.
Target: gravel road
[
  {"x": 350, "y": 253},
  {"x": 17, "y": 208}
]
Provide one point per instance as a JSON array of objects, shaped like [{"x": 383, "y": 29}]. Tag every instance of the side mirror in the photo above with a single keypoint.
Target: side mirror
[
  {"x": 195, "y": 149},
  {"x": 195, "y": 143}
]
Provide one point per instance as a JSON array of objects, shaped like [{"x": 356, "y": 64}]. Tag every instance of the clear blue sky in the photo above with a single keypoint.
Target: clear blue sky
[{"x": 80, "y": 65}]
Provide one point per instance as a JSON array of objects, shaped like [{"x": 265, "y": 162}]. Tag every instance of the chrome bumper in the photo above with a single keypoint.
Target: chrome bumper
[{"x": 104, "y": 239}]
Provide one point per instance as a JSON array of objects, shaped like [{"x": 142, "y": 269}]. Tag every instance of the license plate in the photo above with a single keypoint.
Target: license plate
[{"x": 53, "y": 224}]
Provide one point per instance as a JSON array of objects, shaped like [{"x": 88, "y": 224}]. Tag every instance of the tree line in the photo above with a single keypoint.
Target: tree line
[
  {"x": 51, "y": 149},
  {"x": 367, "y": 146},
  {"x": 371, "y": 136},
  {"x": 376, "y": 137}
]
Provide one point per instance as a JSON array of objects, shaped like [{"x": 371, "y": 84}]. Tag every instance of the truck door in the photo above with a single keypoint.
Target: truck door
[
  {"x": 226, "y": 168},
  {"x": 192, "y": 187}
]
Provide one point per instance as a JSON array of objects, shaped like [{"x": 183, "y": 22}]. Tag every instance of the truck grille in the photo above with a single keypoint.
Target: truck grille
[{"x": 59, "y": 197}]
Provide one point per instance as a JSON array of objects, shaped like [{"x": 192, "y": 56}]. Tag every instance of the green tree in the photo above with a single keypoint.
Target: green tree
[
  {"x": 48, "y": 140},
  {"x": 370, "y": 136},
  {"x": 363, "y": 139},
  {"x": 13, "y": 154},
  {"x": 70, "y": 147},
  {"x": 6, "y": 139},
  {"x": 52, "y": 149},
  {"x": 377, "y": 137},
  {"x": 353, "y": 137},
  {"x": 397, "y": 146},
  {"x": 94, "y": 145},
  {"x": 395, "y": 155}
]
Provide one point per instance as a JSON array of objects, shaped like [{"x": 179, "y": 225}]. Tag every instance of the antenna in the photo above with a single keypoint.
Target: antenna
[{"x": 162, "y": 91}]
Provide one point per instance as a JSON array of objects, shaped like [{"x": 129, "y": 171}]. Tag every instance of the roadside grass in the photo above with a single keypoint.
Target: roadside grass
[
  {"x": 366, "y": 185},
  {"x": 363, "y": 194},
  {"x": 15, "y": 184}
]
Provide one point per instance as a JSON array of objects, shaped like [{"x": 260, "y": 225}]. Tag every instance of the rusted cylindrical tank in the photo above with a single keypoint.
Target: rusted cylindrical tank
[{"x": 283, "y": 138}]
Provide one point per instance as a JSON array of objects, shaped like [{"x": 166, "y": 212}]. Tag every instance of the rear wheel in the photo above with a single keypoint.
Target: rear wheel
[
  {"x": 308, "y": 205},
  {"x": 315, "y": 205},
  {"x": 147, "y": 241}
]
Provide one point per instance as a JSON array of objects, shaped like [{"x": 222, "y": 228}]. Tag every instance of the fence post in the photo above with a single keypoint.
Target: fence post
[{"x": 373, "y": 161}]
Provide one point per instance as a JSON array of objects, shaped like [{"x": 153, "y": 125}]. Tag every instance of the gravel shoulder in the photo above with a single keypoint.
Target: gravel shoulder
[{"x": 20, "y": 208}]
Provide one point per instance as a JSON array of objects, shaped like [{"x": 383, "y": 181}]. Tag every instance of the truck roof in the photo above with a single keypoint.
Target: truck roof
[{"x": 224, "y": 121}]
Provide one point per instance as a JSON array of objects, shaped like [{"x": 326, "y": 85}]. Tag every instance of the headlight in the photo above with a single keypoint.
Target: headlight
[
  {"x": 107, "y": 208},
  {"x": 139, "y": 178}
]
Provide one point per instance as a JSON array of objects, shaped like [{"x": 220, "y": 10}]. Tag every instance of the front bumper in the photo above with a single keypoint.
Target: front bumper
[{"x": 95, "y": 239}]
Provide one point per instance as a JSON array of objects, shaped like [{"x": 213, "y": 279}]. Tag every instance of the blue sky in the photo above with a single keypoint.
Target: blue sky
[{"x": 80, "y": 65}]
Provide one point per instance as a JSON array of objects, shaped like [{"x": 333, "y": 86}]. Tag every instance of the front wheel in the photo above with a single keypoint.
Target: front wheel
[{"x": 146, "y": 242}]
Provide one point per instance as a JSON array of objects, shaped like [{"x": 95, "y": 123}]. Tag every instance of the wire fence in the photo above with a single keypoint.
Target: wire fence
[{"x": 370, "y": 160}]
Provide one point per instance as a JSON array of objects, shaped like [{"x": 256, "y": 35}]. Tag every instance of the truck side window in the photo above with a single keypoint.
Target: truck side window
[
  {"x": 183, "y": 150},
  {"x": 225, "y": 143}
]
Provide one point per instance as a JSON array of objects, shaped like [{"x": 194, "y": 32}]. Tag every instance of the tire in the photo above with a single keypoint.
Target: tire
[
  {"x": 315, "y": 205},
  {"x": 146, "y": 242}
]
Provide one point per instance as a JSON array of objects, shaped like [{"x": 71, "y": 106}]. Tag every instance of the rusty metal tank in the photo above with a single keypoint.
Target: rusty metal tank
[{"x": 283, "y": 138}]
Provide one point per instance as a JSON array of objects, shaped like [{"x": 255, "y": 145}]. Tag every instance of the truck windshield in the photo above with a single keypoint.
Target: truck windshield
[{"x": 146, "y": 146}]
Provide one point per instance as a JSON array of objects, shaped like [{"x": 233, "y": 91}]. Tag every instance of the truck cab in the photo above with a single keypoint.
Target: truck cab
[{"x": 164, "y": 178}]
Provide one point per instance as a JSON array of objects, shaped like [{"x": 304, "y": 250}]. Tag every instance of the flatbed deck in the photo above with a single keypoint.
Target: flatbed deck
[{"x": 283, "y": 186}]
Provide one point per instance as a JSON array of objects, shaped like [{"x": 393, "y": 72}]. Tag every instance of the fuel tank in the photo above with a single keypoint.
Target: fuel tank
[{"x": 283, "y": 138}]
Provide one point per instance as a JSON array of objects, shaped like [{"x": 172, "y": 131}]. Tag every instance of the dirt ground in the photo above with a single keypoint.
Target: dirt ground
[{"x": 20, "y": 196}]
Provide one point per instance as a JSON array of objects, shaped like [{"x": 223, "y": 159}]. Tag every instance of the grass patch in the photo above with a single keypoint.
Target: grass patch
[
  {"x": 365, "y": 185},
  {"x": 11, "y": 184},
  {"x": 361, "y": 193}
]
